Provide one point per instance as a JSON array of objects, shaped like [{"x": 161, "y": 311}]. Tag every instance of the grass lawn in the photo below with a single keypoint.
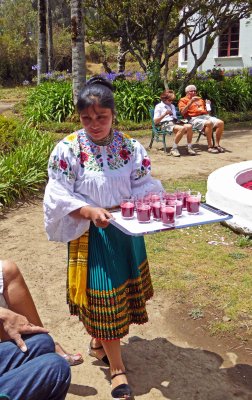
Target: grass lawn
[{"x": 206, "y": 268}]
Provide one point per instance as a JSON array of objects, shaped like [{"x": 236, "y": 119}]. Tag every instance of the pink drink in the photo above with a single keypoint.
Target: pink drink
[
  {"x": 192, "y": 205},
  {"x": 155, "y": 197},
  {"x": 170, "y": 196},
  {"x": 156, "y": 206},
  {"x": 143, "y": 212},
  {"x": 179, "y": 205},
  {"x": 127, "y": 209},
  {"x": 182, "y": 195},
  {"x": 168, "y": 215}
]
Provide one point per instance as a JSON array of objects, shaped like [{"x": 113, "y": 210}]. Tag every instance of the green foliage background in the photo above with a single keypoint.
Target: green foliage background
[{"x": 23, "y": 160}]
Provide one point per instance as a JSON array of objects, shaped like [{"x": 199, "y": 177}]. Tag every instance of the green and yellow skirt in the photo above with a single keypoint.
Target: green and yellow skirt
[{"x": 108, "y": 281}]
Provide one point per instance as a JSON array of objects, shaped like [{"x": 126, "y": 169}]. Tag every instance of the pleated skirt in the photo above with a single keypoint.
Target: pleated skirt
[{"x": 118, "y": 284}]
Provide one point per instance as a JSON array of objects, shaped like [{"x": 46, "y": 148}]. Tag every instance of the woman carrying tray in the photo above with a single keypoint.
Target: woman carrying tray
[{"x": 108, "y": 280}]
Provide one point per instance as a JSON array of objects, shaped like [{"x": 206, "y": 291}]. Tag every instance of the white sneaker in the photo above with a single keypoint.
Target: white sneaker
[
  {"x": 175, "y": 152},
  {"x": 191, "y": 151}
]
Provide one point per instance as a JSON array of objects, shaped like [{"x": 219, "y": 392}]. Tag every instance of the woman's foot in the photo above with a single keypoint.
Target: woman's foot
[
  {"x": 96, "y": 350},
  {"x": 120, "y": 386},
  {"x": 72, "y": 359}
]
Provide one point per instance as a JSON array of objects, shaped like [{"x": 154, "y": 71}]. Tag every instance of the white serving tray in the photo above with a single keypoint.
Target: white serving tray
[{"x": 207, "y": 215}]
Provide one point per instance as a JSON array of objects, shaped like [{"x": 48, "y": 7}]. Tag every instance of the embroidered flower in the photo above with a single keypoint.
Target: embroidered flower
[
  {"x": 124, "y": 154},
  {"x": 146, "y": 162},
  {"x": 71, "y": 137},
  {"x": 83, "y": 157},
  {"x": 63, "y": 164}
]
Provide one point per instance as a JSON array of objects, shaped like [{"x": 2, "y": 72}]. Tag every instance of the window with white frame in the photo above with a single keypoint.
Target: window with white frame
[{"x": 229, "y": 41}]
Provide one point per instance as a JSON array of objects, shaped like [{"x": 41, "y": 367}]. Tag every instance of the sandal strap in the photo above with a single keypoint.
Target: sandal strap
[
  {"x": 96, "y": 348},
  {"x": 119, "y": 373}
]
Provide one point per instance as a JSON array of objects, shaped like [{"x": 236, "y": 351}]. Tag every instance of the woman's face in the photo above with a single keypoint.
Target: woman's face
[{"x": 97, "y": 121}]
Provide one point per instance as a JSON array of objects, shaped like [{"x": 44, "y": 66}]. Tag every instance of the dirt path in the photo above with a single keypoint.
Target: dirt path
[{"x": 168, "y": 358}]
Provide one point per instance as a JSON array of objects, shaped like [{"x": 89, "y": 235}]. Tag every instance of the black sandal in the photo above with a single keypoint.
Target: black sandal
[
  {"x": 121, "y": 392},
  {"x": 92, "y": 350}
]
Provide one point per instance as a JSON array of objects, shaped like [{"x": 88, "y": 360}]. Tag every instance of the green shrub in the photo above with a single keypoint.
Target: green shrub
[
  {"x": 24, "y": 170},
  {"x": 133, "y": 100},
  {"x": 50, "y": 101},
  {"x": 9, "y": 135},
  {"x": 233, "y": 93}
]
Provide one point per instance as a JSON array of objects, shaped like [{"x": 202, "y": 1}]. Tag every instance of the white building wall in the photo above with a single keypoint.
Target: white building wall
[{"x": 243, "y": 60}]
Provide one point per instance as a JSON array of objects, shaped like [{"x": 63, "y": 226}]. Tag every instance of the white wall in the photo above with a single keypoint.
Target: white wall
[{"x": 243, "y": 60}]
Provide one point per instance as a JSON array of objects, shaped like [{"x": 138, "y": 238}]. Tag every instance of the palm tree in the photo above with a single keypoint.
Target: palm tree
[
  {"x": 78, "y": 51},
  {"x": 49, "y": 35},
  {"x": 41, "y": 68}
]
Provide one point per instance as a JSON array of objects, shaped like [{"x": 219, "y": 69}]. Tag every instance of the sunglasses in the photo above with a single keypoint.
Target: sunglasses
[
  {"x": 165, "y": 98},
  {"x": 193, "y": 91}
]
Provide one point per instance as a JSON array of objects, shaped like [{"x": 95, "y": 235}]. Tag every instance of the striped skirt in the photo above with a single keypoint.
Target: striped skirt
[{"x": 118, "y": 282}]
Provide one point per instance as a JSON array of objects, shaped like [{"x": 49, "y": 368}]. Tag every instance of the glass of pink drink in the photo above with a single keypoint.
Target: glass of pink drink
[
  {"x": 127, "y": 208},
  {"x": 169, "y": 196},
  {"x": 193, "y": 202},
  {"x": 143, "y": 210},
  {"x": 182, "y": 195},
  {"x": 156, "y": 210},
  {"x": 178, "y": 204},
  {"x": 168, "y": 214}
]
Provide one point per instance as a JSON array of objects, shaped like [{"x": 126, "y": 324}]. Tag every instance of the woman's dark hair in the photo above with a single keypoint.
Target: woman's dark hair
[{"x": 97, "y": 90}]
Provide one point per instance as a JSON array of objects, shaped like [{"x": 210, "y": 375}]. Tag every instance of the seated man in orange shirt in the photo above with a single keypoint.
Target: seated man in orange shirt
[{"x": 193, "y": 107}]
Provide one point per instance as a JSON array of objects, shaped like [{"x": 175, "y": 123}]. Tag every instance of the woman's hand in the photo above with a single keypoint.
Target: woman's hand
[{"x": 99, "y": 216}]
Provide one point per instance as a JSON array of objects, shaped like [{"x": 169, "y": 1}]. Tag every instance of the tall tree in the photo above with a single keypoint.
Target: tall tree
[
  {"x": 41, "y": 67},
  {"x": 49, "y": 35},
  {"x": 78, "y": 50}
]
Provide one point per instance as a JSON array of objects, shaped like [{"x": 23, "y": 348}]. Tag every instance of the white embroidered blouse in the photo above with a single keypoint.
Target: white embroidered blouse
[{"x": 83, "y": 173}]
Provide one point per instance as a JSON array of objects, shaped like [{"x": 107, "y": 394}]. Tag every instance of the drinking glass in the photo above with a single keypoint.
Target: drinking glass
[
  {"x": 127, "y": 208},
  {"x": 182, "y": 195},
  {"x": 171, "y": 195},
  {"x": 193, "y": 202},
  {"x": 156, "y": 209},
  {"x": 143, "y": 209},
  {"x": 178, "y": 204},
  {"x": 168, "y": 214}
]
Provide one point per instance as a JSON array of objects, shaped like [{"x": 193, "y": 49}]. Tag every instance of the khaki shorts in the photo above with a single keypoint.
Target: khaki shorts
[
  {"x": 167, "y": 126},
  {"x": 199, "y": 121}
]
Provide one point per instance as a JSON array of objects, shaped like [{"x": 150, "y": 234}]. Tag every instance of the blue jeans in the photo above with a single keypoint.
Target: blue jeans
[{"x": 39, "y": 373}]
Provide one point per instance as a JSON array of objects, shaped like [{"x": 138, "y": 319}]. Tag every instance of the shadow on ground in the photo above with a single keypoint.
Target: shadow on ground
[{"x": 176, "y": 373}]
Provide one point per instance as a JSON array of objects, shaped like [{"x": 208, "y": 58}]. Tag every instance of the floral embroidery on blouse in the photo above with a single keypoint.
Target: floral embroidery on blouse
[
  {"x": 118, "y": 153},
  {"x": 57, "y": 164},
  {"x": 145, "y": 168}
]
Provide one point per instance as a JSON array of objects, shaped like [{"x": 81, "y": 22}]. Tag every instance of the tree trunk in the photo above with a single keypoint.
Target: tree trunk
[
  {"x": 121, "y": 57},
  {"x": 41, "y": 39},
  {"x": 49, "y": 35},
  {"x": 78, "y": 51}
]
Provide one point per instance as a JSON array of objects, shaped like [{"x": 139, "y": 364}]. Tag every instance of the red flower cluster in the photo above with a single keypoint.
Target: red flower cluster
[
  {"x": 63, "y": 164},
  {"x": 83, "y": 157},
  {"x": 124, "y": 154},
  {"x": 146, "y": 162}
]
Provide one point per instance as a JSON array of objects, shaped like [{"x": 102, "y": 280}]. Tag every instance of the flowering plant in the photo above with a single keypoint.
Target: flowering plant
[{"x": 217, "y": 72}]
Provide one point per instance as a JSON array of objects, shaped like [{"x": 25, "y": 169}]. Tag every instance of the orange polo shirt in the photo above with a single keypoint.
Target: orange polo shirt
[{"x": 196, "y": 108}]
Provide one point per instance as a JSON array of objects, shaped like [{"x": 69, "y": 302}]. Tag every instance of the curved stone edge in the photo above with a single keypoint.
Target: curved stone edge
[{"x": 224, "y": 192}]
